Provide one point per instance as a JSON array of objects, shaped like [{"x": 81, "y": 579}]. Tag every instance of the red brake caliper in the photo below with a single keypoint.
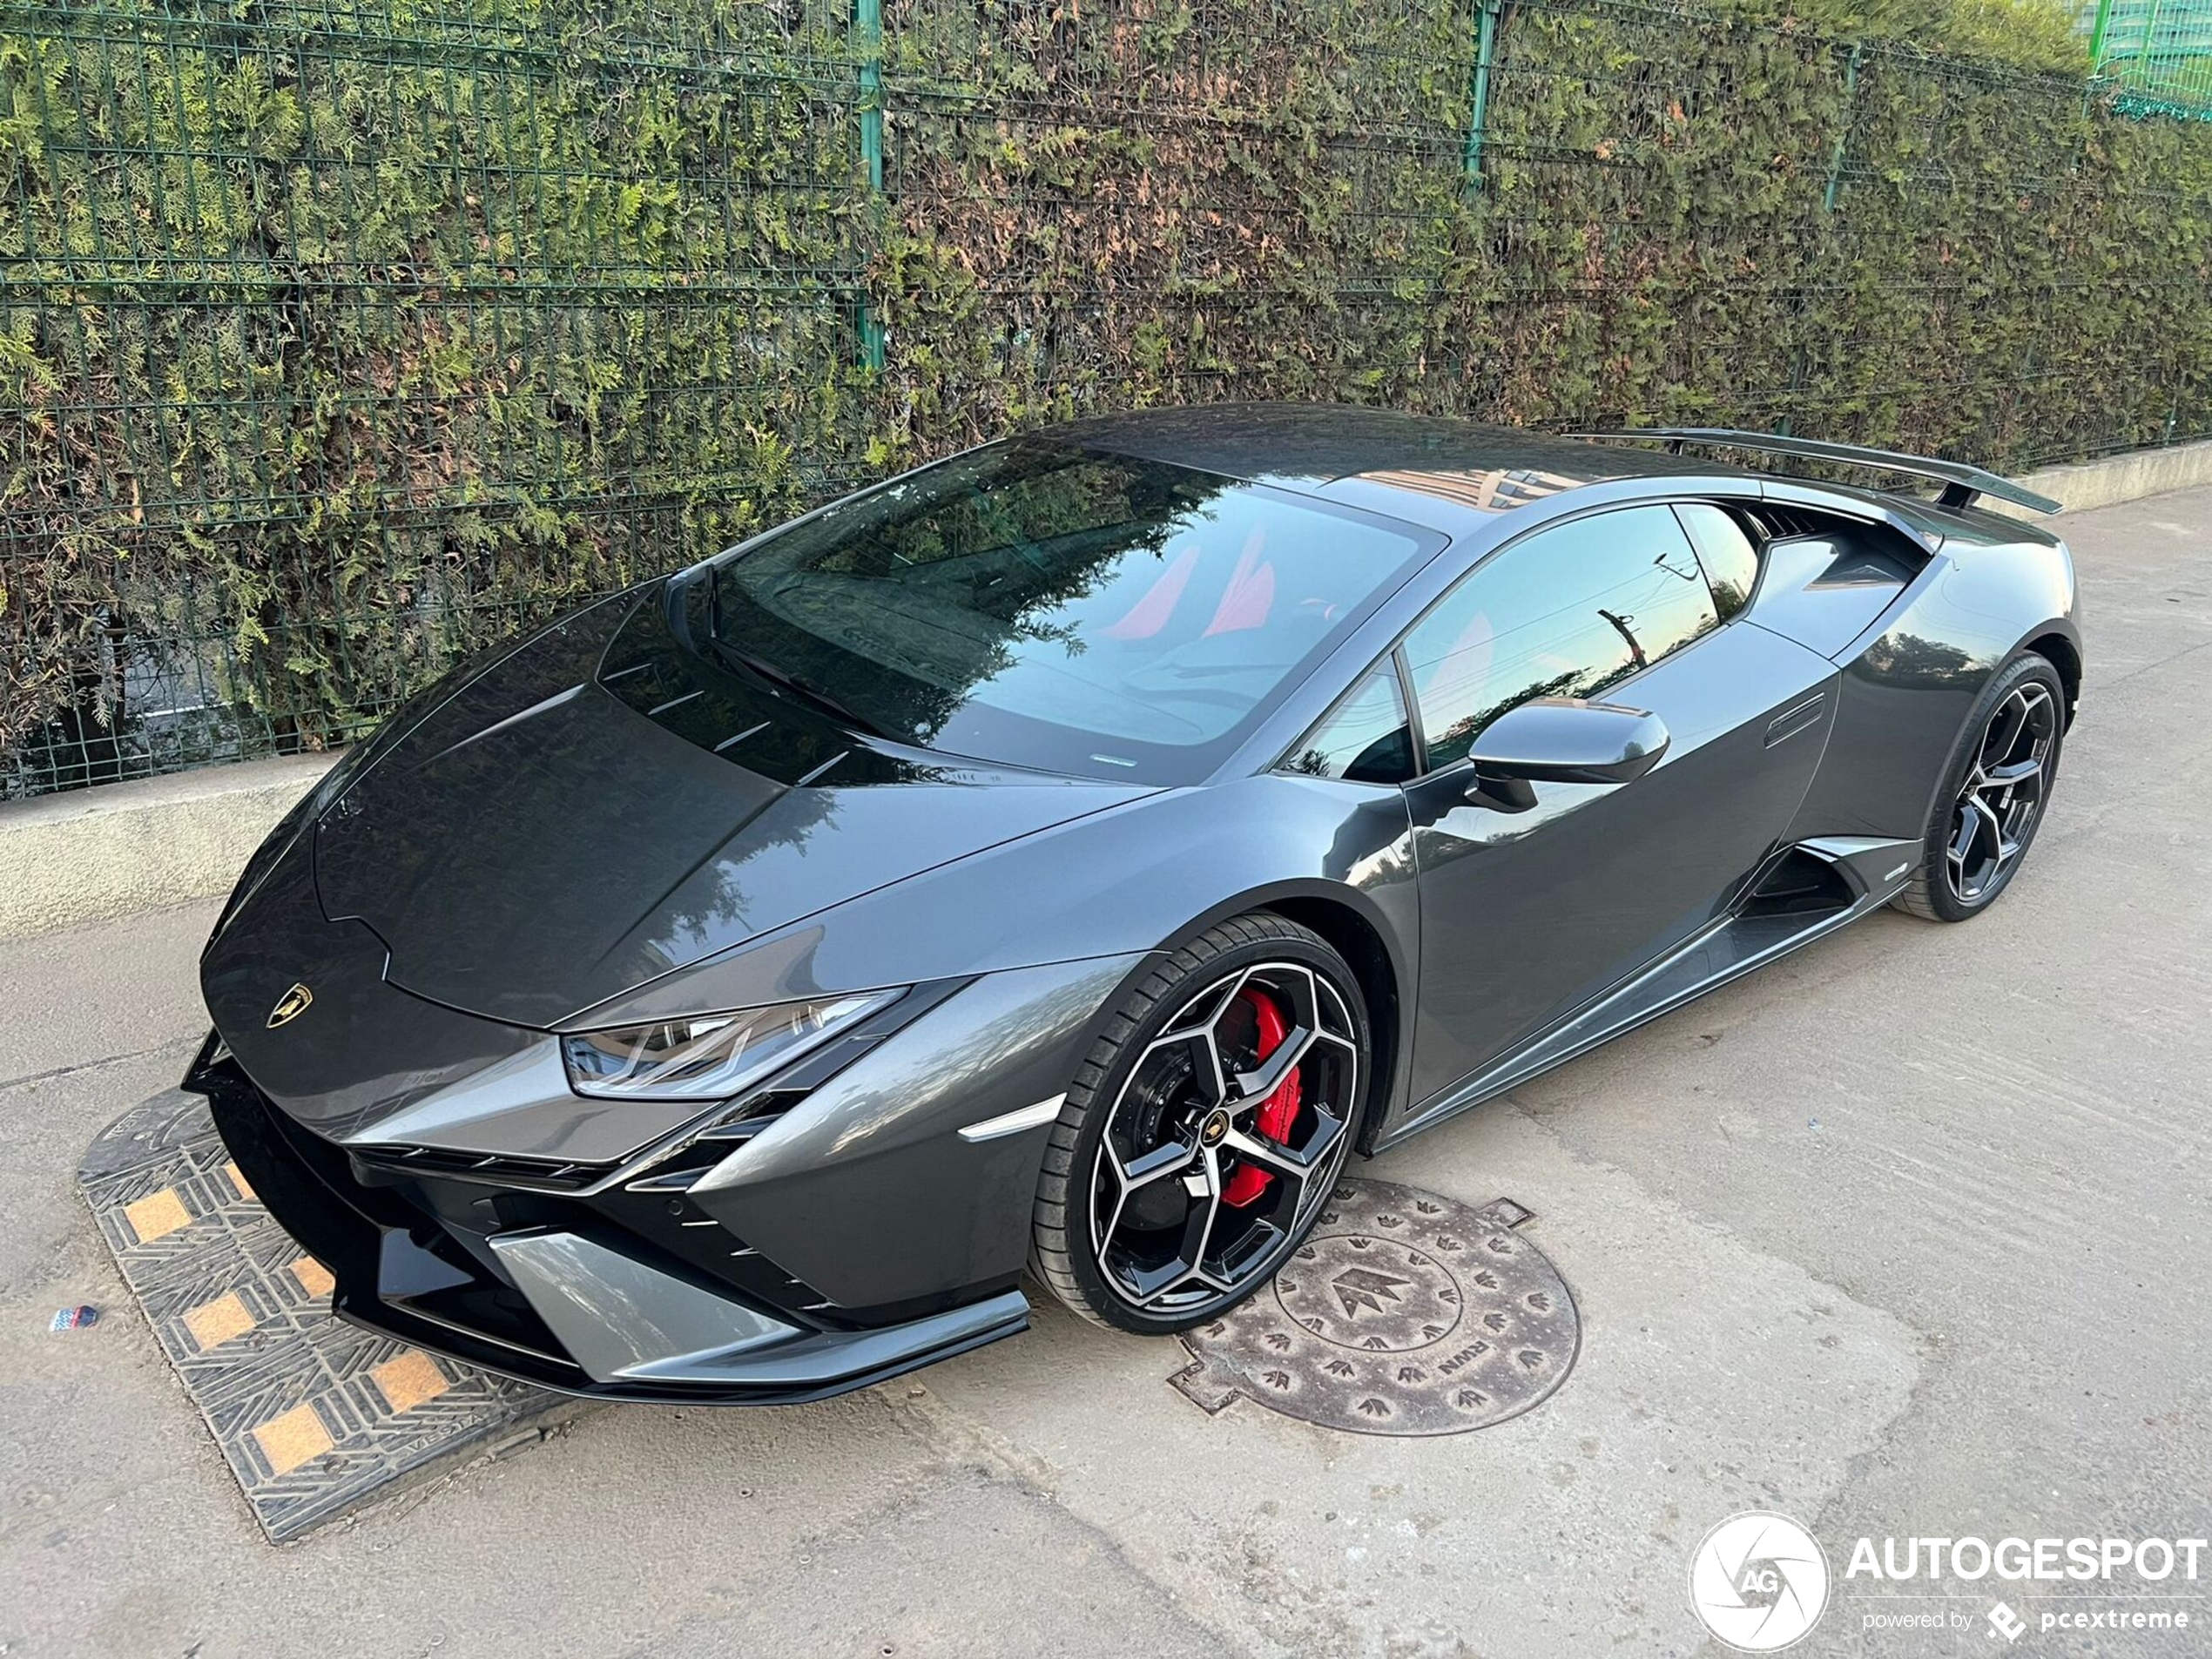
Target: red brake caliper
[{"x": 1277, "y": 1113}]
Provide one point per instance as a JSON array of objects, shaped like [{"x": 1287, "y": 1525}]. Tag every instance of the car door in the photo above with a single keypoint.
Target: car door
[{"x": 1528, "y": 916}]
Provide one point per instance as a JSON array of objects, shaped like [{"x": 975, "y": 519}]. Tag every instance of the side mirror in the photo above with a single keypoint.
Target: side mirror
[{"x": 1557, "y": 740}]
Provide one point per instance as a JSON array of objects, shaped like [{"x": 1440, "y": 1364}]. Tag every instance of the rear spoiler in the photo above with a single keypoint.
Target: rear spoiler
[{"x": 1961, "y": 483}]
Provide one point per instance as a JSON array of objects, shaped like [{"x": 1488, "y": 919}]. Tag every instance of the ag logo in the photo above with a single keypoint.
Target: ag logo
[{"x": 1759, "y": 1581}]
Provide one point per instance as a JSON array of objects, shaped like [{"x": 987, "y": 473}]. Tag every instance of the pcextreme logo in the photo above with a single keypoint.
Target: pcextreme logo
[{"x": 1759, "y": 1581}]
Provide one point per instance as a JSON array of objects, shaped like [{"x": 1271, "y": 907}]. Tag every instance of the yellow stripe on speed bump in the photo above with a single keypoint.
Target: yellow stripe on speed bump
[
  {"x": 157, "y": 1215},
  {"x": 217, "y": 1322},
  {"x": 409, "y": 1380},
  {"x": 295, "y": 1438},
  {"x": 314, "y": 1277}
]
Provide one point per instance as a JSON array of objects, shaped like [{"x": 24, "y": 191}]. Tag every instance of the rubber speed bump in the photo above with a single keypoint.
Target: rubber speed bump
[{"x": 314, "y": 1416}]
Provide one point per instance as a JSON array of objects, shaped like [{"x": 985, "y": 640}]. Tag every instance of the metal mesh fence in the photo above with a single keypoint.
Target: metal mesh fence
[
  {"x": 349, "y": 338},
  {"x": 2158, "y": 52},
  {"x": 340, "y": 341}
]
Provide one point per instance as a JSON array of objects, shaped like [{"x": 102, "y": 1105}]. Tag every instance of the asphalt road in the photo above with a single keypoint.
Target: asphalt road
[{"x": 1908, "y": 1234}]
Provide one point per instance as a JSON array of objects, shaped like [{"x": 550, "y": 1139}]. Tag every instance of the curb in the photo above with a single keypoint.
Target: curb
[
  {"x": 2083, "y": 485},
  {"x": 92, "y": 854}
]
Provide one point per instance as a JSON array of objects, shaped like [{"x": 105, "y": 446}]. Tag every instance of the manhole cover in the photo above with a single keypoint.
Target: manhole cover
[{"x": 1403, "y": 1313}]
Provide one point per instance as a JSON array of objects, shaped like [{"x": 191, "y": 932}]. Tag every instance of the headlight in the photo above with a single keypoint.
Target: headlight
[{"x": 708, "y": 1055}]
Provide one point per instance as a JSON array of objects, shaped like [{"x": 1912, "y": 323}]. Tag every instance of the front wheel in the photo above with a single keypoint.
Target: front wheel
[
  {"x": 1993, "y": 794},
  {"x": 1203, "y": 1129}
]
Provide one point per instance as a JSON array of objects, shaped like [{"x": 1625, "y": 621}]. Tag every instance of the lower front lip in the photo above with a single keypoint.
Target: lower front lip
[{"x": 606, "y": 1334}]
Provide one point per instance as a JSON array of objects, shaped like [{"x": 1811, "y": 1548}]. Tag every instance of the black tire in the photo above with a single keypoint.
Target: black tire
[
  {"x": 1943, "y": 888},
  {"x": 1064, "y": 1252}
]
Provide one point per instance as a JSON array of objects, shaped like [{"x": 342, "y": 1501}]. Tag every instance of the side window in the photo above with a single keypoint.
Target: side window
[
  {"x": 1364, "y": 739},
  {"x": 1731, "y": 562},
  {"x": 1570, "y": 612}
]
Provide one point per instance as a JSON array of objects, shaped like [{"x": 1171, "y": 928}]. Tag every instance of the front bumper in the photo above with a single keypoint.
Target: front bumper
[{"x": 553, "y": 1290}]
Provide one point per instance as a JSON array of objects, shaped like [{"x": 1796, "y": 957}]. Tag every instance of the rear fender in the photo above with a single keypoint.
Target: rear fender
[{"x": 1908, "y": 686}]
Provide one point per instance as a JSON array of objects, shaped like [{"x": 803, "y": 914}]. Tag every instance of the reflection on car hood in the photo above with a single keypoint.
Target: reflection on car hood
[{"x": 571, "y": 825}]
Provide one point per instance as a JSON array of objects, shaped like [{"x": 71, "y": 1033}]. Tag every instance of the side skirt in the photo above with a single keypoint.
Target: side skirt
[{"x": 1873, "y": 870}]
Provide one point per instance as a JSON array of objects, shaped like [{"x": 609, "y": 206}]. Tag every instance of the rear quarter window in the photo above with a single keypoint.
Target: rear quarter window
[{"x": 1726, "y": 552}]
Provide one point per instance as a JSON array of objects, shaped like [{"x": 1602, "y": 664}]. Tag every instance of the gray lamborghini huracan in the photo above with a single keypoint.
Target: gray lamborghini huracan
[{"x": 1063, "y": 857}]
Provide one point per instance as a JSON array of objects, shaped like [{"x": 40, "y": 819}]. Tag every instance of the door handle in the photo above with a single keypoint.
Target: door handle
[{"x": 1801, "y": 717}]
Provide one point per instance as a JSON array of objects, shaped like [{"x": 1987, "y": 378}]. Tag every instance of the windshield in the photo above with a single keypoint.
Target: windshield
[{"x": 1041, "y": 606}]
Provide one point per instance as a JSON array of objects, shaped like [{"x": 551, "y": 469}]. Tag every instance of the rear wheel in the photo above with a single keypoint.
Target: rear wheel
[
  {"x": 1203, "y": 1129},
  {"x": 1993, "y": 797}
]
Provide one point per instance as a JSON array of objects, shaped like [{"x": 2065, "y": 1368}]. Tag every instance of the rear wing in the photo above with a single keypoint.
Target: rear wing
[{"x": 1961, "y": 483}]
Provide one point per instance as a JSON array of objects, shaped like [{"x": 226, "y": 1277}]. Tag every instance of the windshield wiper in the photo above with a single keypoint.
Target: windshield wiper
[{"x": 806, "y": 691}]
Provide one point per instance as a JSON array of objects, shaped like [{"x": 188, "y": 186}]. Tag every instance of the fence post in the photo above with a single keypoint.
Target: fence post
[
  {"x": 1843, "y": 133},
  {"x": 2097, "y": 36},
  {"x": 868, "y": 29},
  {"x": 1836, "y": 159},
  {"x": 1486, "y": 47}
]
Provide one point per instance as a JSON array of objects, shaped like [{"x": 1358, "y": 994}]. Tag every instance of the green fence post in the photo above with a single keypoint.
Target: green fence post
[
  {"x": 867, "y": 27},
  {"x": 2097, "y": 36},
  {"x": 1836, "y": 159},
  {"x": 1843, "y": 133},
  {"x": 1485, "y": 46}
]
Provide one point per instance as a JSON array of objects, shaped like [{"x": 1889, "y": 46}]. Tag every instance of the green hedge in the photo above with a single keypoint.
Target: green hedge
[{"x": 337, "y": 340}]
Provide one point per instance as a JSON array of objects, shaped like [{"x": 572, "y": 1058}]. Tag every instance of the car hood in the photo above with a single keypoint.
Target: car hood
[{"x": 605, "y": 807}]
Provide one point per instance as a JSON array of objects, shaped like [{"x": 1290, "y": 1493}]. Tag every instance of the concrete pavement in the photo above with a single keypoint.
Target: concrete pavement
[{"x": 1905, "y": 1234}]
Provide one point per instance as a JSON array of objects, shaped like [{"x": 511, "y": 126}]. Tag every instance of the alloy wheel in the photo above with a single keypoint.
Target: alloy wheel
[
  {"x": 1227, "y": 1134},
  {"x": 2003, "y": 792}
]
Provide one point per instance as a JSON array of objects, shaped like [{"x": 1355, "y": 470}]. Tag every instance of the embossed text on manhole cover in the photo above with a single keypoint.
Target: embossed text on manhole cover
[{"x": 1403, "y": 1313}]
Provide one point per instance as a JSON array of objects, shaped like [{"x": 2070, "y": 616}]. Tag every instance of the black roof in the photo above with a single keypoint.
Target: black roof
[{"x": 1310, "y": 445}]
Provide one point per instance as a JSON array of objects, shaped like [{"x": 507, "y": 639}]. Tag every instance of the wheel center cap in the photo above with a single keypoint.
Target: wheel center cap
[{"x": 1215, "y": 1126}]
